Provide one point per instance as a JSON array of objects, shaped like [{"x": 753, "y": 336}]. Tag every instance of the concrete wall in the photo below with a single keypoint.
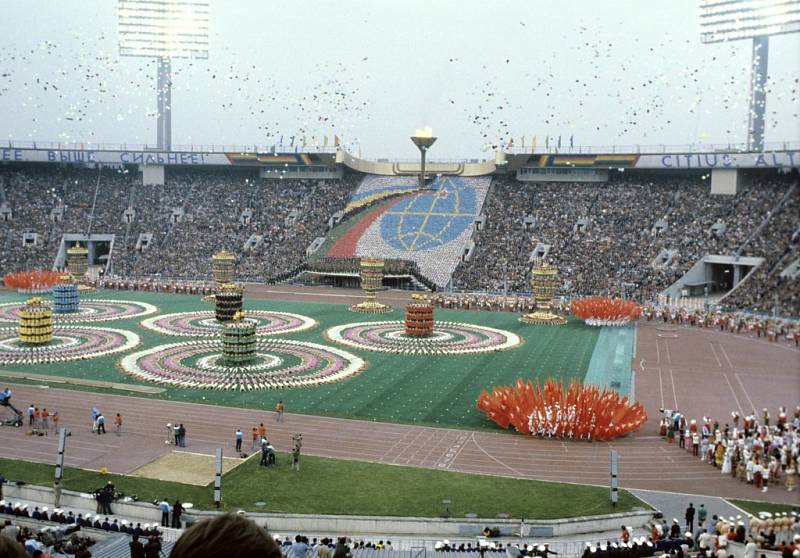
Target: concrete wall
[
  {"x": 152, "y": 174},
  {"x": 701, "y": 271},
  {"x": 737, "y": 551},
  {"x": 725, "y": 181},
  {"x": 388, "y": 168},
  {"x": 349, "y": 525}
]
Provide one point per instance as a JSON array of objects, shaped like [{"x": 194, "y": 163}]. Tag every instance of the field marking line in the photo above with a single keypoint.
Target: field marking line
[
  {"x": 734, "y": 393},
  {"x": 408, "y": 447},
  {"x": 666, "y": 347},
  {"x": 460, "y": 449},
  {"x": 674, "y": 391},
  {"x": 493, "y": 458},
  {"x": 725, "y": 354},
  {"x": 747, "y": 395},
  {"x": 658, "y": 353},
  {"x": 661, "y": 387},
  {"x": 714, "y": 352},
  {"x": 391, "y": 448},
  {"x": 745, "y": 514}
]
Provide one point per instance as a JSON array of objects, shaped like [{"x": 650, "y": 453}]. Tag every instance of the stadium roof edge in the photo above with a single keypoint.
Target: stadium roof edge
[{"x": 780, "y": 155}]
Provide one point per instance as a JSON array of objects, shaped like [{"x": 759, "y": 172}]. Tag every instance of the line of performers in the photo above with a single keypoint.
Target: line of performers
[
  {"x": 492, "y": 303},
  {"x": 759, "y": 452},
  {"x": 770, "y": 329},
  {"x": 155, "y": 285}
]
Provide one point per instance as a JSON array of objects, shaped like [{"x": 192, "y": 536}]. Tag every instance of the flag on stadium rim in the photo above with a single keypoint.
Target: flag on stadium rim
[
  {"x": 335, "y": 140},
  {"x": 533, "y": 143}
]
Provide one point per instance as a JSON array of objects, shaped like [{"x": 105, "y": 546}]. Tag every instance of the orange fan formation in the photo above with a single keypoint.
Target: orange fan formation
[
  {"x": 605, "y": 309},
  {"x": 27, "y": 280},
  {"x": 579, "y": 412}
]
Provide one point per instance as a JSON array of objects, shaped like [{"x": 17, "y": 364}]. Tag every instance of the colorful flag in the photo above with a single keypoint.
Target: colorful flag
[
  {"x": 336, "y": 140},
  {"x": 533, "y": 143}
]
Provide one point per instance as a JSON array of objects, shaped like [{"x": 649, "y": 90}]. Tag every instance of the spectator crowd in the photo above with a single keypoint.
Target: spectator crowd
[
  {"x": 637, "y": 235},
  {"x": 633, "y": 236}
]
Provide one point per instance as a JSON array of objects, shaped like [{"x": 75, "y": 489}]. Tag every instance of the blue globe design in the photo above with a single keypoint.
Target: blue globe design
[{"x": 428, "y": 220}]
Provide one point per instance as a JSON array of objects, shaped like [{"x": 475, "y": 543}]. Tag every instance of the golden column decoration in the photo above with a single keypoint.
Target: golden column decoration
[
  {"x": 223, "y": 267},
  {"x": 77, "y": 260},
  {"x": 371, "y": 283},
  {"x": 544, "y": 283},
  {"x": 35, "y": 322}
]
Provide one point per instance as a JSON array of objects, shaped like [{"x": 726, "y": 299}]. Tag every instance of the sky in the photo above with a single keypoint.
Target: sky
[{"x": 616, "y": 72}]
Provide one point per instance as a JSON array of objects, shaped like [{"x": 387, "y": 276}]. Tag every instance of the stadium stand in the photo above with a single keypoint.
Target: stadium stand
[
  {"x": 200, "y": 211},
  {"x": 602, "y": 236},
  {"x": 638, "y": 233}
]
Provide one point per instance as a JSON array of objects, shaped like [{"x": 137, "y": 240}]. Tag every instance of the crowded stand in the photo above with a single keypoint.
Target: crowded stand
[
  {"x": 632, "y": 237},
  {"x": 201, "y": 211},
  {"x": 607, "y": 237},
  {"x": 778, "y": 243}
]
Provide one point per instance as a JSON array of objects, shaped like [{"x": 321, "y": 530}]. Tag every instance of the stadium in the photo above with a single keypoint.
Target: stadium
[{"x": 550, "y": 347}]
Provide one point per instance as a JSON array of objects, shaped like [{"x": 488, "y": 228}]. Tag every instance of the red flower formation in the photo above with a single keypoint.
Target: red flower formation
[
  {"x": 32, "y": 279},
  {"x": 601, "y": 308},
  {"x": 580, "y": 412}
]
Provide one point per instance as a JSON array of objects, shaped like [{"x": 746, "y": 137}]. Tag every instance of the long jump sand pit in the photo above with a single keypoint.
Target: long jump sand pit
[{"x": 185, "y": 467}]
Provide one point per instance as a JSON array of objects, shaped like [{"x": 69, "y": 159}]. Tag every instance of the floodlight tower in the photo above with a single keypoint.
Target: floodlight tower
[
  {"x": 423, "y": 139},
  {"x": 163, "y": 29},
  {"x": 730, "y": 20}
]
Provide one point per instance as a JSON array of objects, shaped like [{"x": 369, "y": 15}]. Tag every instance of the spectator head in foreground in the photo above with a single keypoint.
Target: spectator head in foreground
[
  {"x": 225, "y": 535},
  {"x": 12, "y": 549}
]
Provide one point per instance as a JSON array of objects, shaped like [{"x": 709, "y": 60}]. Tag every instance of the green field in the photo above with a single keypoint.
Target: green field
[
  {"x": 752, "y": 507},
  {"x": 340, "y": 487},
  {"x": 431, "y": 390}
]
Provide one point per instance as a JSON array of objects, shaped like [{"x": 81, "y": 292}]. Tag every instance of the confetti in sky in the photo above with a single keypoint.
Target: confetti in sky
[{"x": 371, "y": 72}]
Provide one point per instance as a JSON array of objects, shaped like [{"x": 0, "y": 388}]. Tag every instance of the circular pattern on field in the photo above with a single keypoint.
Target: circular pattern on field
[
  {"x": 92, "y": 310},
  {"x": 449, "y": 338},
  {"x": 279, "y": 364},
  {"x": 69, "y": 343},
  {"x": 204, "y": 323}
]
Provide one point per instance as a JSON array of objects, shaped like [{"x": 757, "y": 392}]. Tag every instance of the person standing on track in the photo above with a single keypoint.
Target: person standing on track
[
  {"x": 164, "y": 507},
  {"x": 182, "y": 435},
  {"x": 690, "y": 518},
  {"x": 297, "y": 443},
  {"x": 118, "y": 424},
  {"x": 702, "y": 513},
  {"x": 279, "y": 411},
  {"x": 238, "y": 435}
]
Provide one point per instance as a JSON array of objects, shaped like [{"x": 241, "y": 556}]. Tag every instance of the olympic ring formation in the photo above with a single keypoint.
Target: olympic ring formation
[
  {"x": 204, "y": 324},
  {"x": 279, "y": 364},
  {"x": 449, "y": 338},
  {"x": 69, "y": 343},
  {"x": 92, "y": 310}
]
